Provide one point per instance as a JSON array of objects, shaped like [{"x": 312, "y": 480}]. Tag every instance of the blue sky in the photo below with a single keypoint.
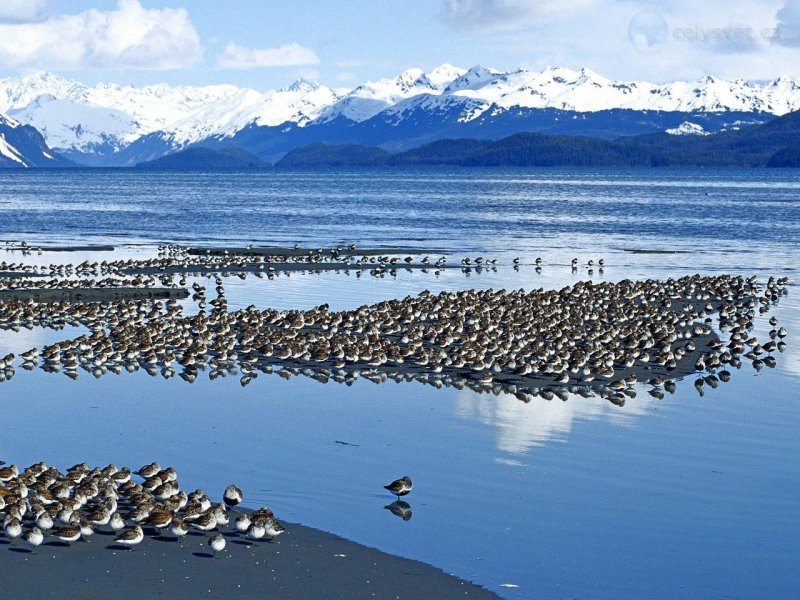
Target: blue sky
[{"x": 267, "y": 44}]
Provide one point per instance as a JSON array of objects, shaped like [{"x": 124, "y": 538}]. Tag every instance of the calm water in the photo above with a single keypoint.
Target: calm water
[{"x": 684, "y": 497}]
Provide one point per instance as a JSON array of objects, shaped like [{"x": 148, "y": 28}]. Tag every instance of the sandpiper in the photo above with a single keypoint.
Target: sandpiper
[
  {"x": 256, "y": 531},
  {"x": 13, "y": 527},
  {"x": 130, "y": 537},
  {"x": 116, "y": 522},
  {"x": 400, "y": 487},
  {"x": 33, "y": 537},
  {"x": 70, "y": 533},
  {"x": 99, "y": 516},
  {"x": 232, "y": 495},
  {"x": 148, "y": 471},
  {"x": 159, "y": 519},
  {"x": 216, "y": 543},
  {"x": 178, "y": 527},
  {"x": 242, "y": 522},
  {"x": 44, "y": 521},
  {"x": 273, "y": 528},
  {"x": 205, "y": 522}
]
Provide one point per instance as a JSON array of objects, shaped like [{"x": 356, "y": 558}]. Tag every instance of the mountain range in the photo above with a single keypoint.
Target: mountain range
[{"x": 114, "y": 125}]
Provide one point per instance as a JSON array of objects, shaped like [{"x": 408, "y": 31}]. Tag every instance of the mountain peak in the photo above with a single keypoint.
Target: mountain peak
[
  {"x": 444, "y": 74},
  {"x": 475, "y": 77},
  {"x": 414, "y": 78},
  {"x": 303, "y": 85},
  {"x": 43, "y": 78},
  {"x": 589, "y": 74}
]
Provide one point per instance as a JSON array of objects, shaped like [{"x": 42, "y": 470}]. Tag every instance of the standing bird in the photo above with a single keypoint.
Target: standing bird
[
  {"x": 400, "y": 487},
  {"x": 256, "y": 531},
  {"x": 33, "y": 537},
  {"x": 178, "y": 527},
  {"x": 272, "y": 528},
  {"x": 242, "y": 522},
  {"x": 116, "y": 522},
  {"x": 216, "y": 543},
  {"x": 232, "y": 495}
]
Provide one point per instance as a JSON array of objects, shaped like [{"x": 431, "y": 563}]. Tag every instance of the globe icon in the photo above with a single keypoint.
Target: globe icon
[{"x": 647, "y": 31}]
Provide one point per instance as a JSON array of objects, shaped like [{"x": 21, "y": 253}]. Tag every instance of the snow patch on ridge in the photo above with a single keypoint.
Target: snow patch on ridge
[
  {"x": 688, "y": 128},
  {"x": 9, "y": 151}
]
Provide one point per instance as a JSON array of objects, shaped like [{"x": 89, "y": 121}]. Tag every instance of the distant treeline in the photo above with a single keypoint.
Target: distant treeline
[{"x": 774, "y": 144}]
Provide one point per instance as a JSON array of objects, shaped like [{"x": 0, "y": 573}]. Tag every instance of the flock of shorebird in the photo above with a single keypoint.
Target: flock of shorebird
[
  {"x": 40, "y": 502},
  {"x": 586, "y": 338}
]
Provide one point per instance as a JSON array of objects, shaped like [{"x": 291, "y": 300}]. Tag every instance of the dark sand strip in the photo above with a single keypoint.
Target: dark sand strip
[
  {"x": 85, "y": 248},
  {"x": 301, "y": 563},
  {"x": 287, "y": 251},
  {"x": 22, "y": 275},
  {"x": 93, "y": 294},
  {"x": 281, "y": 267},
  {"x": 645, "y": 251}
]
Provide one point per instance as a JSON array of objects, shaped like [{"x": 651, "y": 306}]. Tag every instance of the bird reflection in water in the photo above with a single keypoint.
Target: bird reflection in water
[{"x": 400, "y": 508}]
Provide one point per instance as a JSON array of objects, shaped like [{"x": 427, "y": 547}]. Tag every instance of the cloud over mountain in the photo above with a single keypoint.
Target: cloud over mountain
[
  {"x": 130, "y": 36},
  {"x": 787, "y": 33},
  {"x": 504, "y": 14},
  {"x": 287, "y": 55},
  {"x": 24, "y": 11}
]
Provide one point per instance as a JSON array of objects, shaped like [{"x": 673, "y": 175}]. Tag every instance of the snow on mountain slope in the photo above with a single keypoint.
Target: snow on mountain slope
[
  {"x": 586, "y": 91},
  {"x": 299, "y": 103},
  {"x": 7, "y": 151},
  {"x": 70, "y": 123},
  {"x": 74, "y": 116},
  {"x": 444, "y": 75},
  {"x": 372, "y": 97},
  {"x": 108, "y": 117},
  {"x": 21, "y": 146}
]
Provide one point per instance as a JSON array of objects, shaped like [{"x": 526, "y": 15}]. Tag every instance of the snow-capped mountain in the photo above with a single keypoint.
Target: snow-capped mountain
[
  {"x": 113, "y": 124},
  {"x": 373, "y": 97},
  {"x": 21, "y": 146},
  {"x": 73, "y": 116}
]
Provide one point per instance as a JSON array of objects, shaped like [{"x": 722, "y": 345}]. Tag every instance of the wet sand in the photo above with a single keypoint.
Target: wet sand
[
  {"x": 301, "y": 563},
  {"x": 290, "y": 251},
  {"x": 283, "y": 267},
  {"x": 87, "y": 294},
  {"x": 77, "y": 248}
]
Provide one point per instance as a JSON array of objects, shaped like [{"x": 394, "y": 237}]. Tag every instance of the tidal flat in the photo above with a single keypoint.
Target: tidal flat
[{"x": 526, "y": 484}]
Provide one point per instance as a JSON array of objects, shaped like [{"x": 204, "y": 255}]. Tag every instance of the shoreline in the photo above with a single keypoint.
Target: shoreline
[{"x": 302, "y": 563}]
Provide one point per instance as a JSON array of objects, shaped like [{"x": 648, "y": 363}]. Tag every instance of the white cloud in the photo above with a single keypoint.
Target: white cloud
[
  {"x": 128, "y": 37},
  {"x": 24, "y": 11},
  {"x": 491, "y": 15},
  {"x": 686, "y": 39},
  {"x": 287, "y": 55},
  {"x": 787, "y": 33}
]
